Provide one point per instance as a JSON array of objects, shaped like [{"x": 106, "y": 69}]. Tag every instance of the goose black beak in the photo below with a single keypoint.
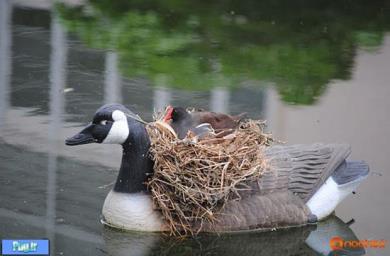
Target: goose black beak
[{"x": 83, "y": 137}]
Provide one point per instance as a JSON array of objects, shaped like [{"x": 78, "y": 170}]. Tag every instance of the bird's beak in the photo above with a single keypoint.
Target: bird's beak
[
  {"x": 168, "y": 114},
  {"x": 83, "y": 137}
]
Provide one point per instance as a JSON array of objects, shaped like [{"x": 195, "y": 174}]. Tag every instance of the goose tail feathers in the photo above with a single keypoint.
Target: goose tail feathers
[{"x": 343, "y": 181}]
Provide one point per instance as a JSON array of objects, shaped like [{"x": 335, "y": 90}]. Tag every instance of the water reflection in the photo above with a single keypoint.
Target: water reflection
[
  {"x": 311, "y": 240},
  {"x": 207, "y": 45},
  {"x": 5, "y": 53},
  {"x": 57, "y": 73},
  {"x": 112, "y": 82}
]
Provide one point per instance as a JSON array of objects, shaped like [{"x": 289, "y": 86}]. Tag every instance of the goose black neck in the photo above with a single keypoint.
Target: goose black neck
[{"x": 136, "y": 163}]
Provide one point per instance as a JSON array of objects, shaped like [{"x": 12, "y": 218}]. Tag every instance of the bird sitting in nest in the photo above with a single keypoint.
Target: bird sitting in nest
[{"x": 200, "y": 122}]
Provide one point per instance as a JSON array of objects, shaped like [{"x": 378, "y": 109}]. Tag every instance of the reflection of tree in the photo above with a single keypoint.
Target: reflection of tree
[{"x": 299, "y": 46}]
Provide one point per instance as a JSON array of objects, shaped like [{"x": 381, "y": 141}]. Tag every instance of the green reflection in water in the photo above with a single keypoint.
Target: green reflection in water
[{"x": 296, "y": 46}]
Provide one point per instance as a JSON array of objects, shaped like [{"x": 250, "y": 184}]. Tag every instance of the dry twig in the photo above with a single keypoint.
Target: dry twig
[{"x": 193, "y": 179}]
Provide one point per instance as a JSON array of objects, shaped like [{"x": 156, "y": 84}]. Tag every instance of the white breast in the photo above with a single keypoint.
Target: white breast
[{"x": 131, "y": 211}]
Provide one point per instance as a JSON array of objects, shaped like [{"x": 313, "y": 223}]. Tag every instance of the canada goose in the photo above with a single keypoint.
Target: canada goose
[{"x": 302, "y": 184}]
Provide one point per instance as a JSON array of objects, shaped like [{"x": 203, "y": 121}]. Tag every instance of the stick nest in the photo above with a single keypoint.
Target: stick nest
[{"x": 193, "y": 178}]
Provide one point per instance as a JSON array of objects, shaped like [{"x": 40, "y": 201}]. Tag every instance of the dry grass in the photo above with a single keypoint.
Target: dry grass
[{"x": 194, "y": 178}]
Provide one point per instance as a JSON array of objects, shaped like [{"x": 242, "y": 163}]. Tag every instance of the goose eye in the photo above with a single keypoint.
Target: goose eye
[{"x": 103, "y": 122}]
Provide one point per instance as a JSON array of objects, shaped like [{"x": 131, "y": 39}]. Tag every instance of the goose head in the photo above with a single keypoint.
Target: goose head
[
  {"x": 114, "y": 124},
  {"x": 110, "y": 125}
]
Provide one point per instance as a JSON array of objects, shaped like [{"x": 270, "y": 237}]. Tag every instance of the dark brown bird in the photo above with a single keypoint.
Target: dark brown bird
[{"x": 183, "y": 121}]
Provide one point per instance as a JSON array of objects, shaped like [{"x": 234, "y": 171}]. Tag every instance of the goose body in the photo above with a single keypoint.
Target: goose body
[{"x": 301, "y": 185}]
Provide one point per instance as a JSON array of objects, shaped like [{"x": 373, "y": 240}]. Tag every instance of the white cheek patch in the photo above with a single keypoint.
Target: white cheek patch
[
  {"x": 119, "y": 130},
  {"x": 118, "y": 115}
]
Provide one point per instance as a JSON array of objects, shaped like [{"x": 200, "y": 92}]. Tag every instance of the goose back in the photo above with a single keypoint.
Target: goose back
[
  {"x": 301, "y": 169},
  {"x": 278, "y": 198}
]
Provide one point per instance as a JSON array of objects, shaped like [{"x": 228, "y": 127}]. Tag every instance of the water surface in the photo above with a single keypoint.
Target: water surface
[{"x": 318, "y": 72}]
